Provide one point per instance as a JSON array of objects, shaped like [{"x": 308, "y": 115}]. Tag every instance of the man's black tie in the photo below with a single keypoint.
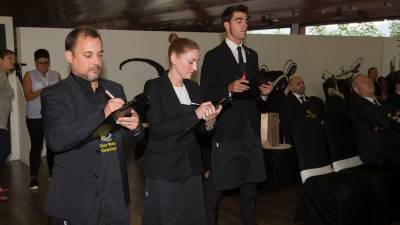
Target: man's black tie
[
  {"x": 242, "y": 64},
  {"x": 303, "y": 99},
  {"x": 239, "y": 49}
]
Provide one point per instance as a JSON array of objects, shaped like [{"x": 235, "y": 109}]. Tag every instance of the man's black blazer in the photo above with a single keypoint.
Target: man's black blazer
[
  {"x": 69, "y": 117},
  {"x": 293, "y": 110},
  {"x": 172, "y": 150},
  {"x": 232, "y": 165},
  {"x": 394, "y": 100},
  {"x": 372, "y": 129},
  {"x": 218, "y": 71}
]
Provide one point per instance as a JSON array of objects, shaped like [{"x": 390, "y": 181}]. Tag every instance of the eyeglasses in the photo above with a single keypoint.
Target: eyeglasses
[{"x": 45, "y": 63}]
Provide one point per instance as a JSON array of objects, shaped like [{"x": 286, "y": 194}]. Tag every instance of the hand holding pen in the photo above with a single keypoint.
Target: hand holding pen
[
  {"x": 207, "y": 111},
  {"x": 113, "y": 104}
]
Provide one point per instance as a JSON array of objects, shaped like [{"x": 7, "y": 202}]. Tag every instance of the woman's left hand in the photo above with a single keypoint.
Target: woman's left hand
[{"x": 212, "y": 113}]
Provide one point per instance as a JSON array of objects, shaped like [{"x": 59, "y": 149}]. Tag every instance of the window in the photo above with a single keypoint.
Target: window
[
  {"x": 385, "y": 28},
  {"x": 285, "y": 30}
]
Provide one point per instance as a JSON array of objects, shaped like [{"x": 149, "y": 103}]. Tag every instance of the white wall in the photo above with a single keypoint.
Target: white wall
[
  {"x": 118, "y": 46},
  {"x": 313, "y": 54}
]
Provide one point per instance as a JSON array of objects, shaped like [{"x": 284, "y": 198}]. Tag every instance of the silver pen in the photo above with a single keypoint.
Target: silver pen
[{"x": 109, "y": 94}]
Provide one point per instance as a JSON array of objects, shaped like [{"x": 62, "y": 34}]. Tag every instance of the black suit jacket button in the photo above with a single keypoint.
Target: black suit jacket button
[{"x": 96, "y": 176}]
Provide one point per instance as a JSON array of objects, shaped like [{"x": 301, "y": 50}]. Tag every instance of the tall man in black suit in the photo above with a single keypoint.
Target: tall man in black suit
[
  {"x": 376, "y": 136},
  {"x": 297, "y": 105},
  {"x": 87, "y": 187},
  {"x": 237, "y": 159}
]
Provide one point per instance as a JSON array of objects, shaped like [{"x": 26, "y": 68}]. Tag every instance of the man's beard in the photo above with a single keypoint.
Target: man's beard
[{"x": 95, "y": 75}]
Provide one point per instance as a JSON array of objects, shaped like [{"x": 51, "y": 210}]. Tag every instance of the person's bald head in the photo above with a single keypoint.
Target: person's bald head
[
  {"x": 363, "y": 86},
  {"x": 296, "y": 85}
]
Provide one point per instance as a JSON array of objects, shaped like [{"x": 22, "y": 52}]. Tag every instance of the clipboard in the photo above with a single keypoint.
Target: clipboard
[
  {"x": 138, "y": 103},
  {"x": 108, "y": 125},
  {"x": 278, "y": 80},
  {"x": 224, "y": 102}
]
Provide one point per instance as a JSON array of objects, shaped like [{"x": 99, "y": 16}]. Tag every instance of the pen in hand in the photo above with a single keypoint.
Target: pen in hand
[{"x": 111, "y": 96}]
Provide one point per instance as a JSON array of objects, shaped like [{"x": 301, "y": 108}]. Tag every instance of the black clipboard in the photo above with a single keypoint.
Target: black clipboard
[
  {"x": 224, "y": 102},
  {"x": 277, "y": 79},
  {"x": 108, "y": 125},
  {"x": 138, "y": 103}
]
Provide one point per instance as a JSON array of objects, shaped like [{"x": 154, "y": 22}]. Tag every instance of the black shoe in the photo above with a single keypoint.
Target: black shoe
[{"x": 34, "y": 184}]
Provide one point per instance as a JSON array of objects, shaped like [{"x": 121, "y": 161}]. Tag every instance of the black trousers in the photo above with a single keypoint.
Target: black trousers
[
  {"x": 392, "y": 158},
  {"x": 36, "y": 134},
  {"x": 102, "y": 213},
  {"x": 247, "y": 202},
  {"x": 5, "y": 146},
  {"x": 174, "y": 202}
]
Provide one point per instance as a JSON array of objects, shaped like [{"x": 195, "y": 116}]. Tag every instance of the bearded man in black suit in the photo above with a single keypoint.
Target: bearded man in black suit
[{"x": 89, "y": 184}]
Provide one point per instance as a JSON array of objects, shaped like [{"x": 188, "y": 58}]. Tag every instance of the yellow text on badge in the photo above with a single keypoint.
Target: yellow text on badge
[{"x": 108, "y": 147}]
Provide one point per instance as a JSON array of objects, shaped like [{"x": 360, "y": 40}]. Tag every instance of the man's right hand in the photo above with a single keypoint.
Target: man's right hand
[
  {"x": 239, "y": 86},
  {"x": 112, "y": 105}
]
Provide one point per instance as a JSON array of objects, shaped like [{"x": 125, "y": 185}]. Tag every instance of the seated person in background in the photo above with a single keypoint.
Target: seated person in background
[
  {"x": 384, "y": 86},
  {"x": 394, "y": 98},
  {"x": 335, "y": 100},
  {"x": 297, "y": 105},
  {"x": 379, "y": 83},
  {"x": 375, "y": 136}
]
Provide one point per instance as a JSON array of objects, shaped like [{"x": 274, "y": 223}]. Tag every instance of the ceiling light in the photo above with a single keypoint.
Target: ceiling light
[
  {"x": 268, "y": 19},
  {"x": 351, "y": 8},
  {"x": 386, "y": 3},
  {"x": 295, "y": 13},
  {"x": 321, "y": 11}
]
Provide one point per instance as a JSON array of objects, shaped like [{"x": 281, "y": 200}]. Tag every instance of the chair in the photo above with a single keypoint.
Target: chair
[
  {"x": 327, "y": 198},
  {"x": 385, "y": 182}
]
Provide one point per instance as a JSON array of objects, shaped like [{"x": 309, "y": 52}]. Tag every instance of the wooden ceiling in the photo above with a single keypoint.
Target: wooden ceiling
[{"x": 191, "y": 15}]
